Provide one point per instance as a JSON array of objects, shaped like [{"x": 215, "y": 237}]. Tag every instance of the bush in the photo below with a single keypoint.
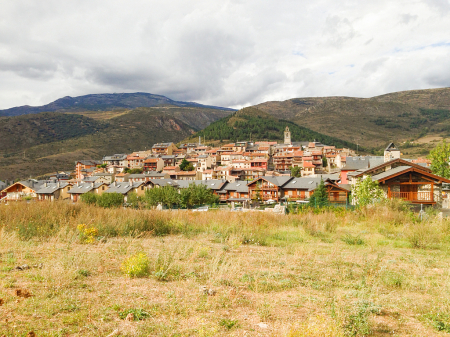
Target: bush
[
  {"x": 89, "y": 198},
  {"x": 137, "y": 265},
  {"x": 108, "y": 200}
]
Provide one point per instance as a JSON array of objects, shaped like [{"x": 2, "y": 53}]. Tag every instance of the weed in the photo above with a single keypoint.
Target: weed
[
  {"x": 392, "y": 279},
  {"x": 138, "y": 314},
  {"x": 352, "y": 240},
  {"x": 229, "y": 323},
  {"x": 136, "y": 265},
  {"x": 83, "y": 272},
  {"x": 87, "y": 234}
]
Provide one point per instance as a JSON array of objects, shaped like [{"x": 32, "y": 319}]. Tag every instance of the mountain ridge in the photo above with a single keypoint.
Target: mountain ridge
[{"x": 104, "y": 102}]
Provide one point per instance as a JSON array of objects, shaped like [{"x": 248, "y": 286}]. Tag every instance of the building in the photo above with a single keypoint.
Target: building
[
  {"x": 81, "y": 188},
  {"x": 54, "y": 191},
  {"x": 82, "y": 167},
  {"x": 164, "y": 148},
  {"x": 153, "y": 164}
]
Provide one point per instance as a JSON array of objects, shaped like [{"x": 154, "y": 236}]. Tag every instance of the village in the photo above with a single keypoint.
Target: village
[{"x": 242, "y": 172}]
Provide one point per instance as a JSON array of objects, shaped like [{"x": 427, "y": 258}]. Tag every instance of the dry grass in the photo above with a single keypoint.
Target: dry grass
[{"x": 221, "y": 274}]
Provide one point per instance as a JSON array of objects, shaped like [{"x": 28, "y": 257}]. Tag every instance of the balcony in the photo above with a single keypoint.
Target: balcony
[{"x": 415, "y": 197}]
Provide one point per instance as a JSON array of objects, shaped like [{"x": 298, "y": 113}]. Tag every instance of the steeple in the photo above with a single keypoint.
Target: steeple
[{"x": 287, "y": 136}]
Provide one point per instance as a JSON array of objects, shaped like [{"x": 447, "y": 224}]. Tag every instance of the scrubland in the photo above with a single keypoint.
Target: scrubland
[{"x": 78, "y": 270}]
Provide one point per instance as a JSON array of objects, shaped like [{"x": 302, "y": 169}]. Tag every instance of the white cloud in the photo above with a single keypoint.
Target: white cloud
[{"x": 229, "y": 53}]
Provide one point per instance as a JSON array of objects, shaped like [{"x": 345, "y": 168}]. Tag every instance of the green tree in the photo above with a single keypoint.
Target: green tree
[
  {"x": 366, "y": 192},
  {"x": 167, "y": 196},
  {"x": 133, "y": 200},
  {"x": 320, "y": 196},
  {"x": 258, "y": 194},
  {"x": 108, "y": 200},
  {"x": 89, "y": 198},
  {"x": 186, "y": 165},
  {"x": 195, "y": 195},
  {"x": 324, "y": 162},
  {"x": 296, "y": 171},
  {"x": 440, "y": 156}
]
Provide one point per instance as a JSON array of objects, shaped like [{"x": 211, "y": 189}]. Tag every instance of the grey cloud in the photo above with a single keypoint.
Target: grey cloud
[{"x": 229, "y": 53}]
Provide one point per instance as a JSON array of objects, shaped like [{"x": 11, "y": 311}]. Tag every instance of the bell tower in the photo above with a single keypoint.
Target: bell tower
[{"x": 287, "y": 136}]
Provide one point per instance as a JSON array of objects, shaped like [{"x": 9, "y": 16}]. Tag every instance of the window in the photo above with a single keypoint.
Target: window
[
  {"x": 103, "y": 188},
  {"x": 142, "y": 188}
]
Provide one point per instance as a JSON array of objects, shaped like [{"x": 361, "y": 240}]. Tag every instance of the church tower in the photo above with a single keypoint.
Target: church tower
[{"x": 287, "y": 136}]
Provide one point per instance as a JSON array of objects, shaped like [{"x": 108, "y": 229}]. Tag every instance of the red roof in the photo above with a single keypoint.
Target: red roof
[{"x": 308, "y": 164}]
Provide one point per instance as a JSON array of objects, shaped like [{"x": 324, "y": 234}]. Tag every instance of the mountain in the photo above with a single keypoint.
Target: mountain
[
  {"x": 252, "y": 123},
  {"x": 103, "y": 102},
  {"x": 370, "y": 122},
  {"x": 37, "y": 144}
]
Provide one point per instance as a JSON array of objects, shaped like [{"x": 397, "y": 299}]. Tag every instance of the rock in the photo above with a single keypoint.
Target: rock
[
  {"x": 207, "y": 291},
  {"x": 1, "y": 301},
  {"x": 263, "y": 325},
  {"x": 23, "y": 267},
  {"x": 31, "y": 334},
  {"x": 130, "y": 317},
  {"x": 39, "y": 265}
]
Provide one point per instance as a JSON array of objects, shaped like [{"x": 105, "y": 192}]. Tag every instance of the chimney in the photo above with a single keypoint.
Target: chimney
[
  {"x": 45, "y": 184},
  {"x": 58, "y": 184}
]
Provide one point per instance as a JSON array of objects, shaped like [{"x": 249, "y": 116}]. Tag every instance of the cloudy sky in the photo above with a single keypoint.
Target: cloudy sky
[{"x": 223, "y": 52}]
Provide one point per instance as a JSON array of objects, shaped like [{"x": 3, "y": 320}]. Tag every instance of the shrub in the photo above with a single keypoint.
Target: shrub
[
  {"x": 87, "y": 234},
  {"x": 138, "y": 314},
  {"x": 137, "y": 265},
  {"x": 352, "y": 240},
  {"x": 229, "y": 323},
  {"x": 89, "y": 198},
  {"x": 108, "y": 200}
]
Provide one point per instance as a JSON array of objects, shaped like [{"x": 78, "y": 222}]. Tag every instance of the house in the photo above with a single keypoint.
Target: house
[
  {"x": 81, "y": 188},
  {"x": 164, "y": 148},
  {"x": 103, "y": 177},
  {"x": 283, "y": 161},
  {"x": 145, "y": 177},
  {"x": 359, "y": 163},
  {"x": 3, "y": 185},
  {"x": 115, "y": 160},
  {"x": 121, "y": 177},
  {"x": 126, "y": 188},
  {"x": 22, "y": 190},
  {"x": 236, "y": 191},
  {"x": 268, "y": 187},
  {"x": 54, "y": 191},
  {"x": 308, "y": 169},
  {"x": 153, "y": 164},
  {"x": 187, "y": 175},
  {"x": 135, "y": 160},
  {"x": 81, "y": 167},
  {"x": 412, "y": 183},
  {"x": 169, "y": 160}
]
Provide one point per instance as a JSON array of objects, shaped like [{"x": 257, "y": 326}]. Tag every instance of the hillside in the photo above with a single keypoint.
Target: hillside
[
  {"x": 42, "y": 143},
  {"x": 103, "y": 102},
  {"x": 371, "y": 122},
  {"x": 254, "y": 124}
]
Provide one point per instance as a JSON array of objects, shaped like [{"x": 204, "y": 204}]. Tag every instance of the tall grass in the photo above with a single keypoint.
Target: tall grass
[{"x": 40, "y": 220}]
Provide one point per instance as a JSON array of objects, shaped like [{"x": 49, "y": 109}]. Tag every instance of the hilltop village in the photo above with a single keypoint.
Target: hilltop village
[{"x": 239, "y": 173}]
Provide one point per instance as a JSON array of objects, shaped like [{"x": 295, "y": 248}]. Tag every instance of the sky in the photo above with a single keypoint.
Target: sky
[{"x": 230, "y": 53}]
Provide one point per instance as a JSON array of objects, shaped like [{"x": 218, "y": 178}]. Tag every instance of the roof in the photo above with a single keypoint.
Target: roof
[
  {"x": 308, "y": 164},
  {"x": 213, "y": 184},
  {"x": 84, "y": 188},
  {"x": 164, "y": 182},
  {"x": 357, "y": 163},
  {"x": 304, "y": 183},
  {"x": 161, "y": 145},
  {"x": 152, "y": 160},
  {"x": 123, "y": 188},
  {"x": 391, "y": 147},
  {"x": 277, "y": 181},
  {"x": 115, "y": 157},
  {"x": 90, "y": 179},
  {"x": 391, "y": 172},
  {"x": 239, "y": 186},
  {"x": 51, "y": 187}
]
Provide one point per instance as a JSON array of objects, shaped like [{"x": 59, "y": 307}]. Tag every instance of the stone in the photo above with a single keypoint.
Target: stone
[
  {"x": 130, "y": 317},
  {"x": 263, "y": 325}
]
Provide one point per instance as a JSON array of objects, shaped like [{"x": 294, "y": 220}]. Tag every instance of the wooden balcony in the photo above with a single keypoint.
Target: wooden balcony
[{"x": 414, "y": 197}]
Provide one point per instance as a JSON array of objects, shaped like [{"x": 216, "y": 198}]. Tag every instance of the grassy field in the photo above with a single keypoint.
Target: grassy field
[{"x": 378, "y": 272}]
